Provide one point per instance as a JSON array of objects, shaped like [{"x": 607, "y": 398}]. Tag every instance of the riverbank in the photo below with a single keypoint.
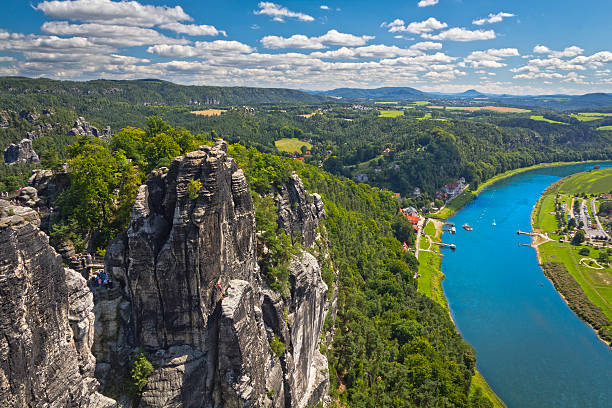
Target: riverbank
[
  {"x": 430, "y": 279},
  {"x": 586, "y": 290}
]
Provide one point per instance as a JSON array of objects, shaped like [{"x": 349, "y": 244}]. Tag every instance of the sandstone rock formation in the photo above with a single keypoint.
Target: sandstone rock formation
[
  {"x": 81, "y": 127},
  {"x": 46, "y": 324},
  {"x": 20, "y": 153},
  {"x": 194, "y": 299}
]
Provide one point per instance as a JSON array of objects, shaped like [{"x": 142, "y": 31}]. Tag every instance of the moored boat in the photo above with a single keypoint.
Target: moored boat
[{"x": 467, "y": 227}]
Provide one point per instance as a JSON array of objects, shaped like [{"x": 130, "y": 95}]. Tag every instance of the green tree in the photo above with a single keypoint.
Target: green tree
[
  {"x": 579, "y": 237},
  {"x": 141, "y": 370}
]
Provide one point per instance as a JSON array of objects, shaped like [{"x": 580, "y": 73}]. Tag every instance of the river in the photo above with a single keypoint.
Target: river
[{"x": 531, "y": 348}]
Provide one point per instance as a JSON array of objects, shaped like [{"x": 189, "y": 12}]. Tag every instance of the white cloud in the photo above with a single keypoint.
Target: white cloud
[
  {"x": 332, "y": 37},
  {"x": 427, "y": 3},
  {"x": 371, "y": 51},
  {"x": 493, "y": 18},
  {"x": 416, "y": 27},
  {"x": 114, "y": 35},
  {"x": 324, "y": 7},
  {"x": 218, "y": 47},
  {"x": 113, "y": 12},
  {"x": 193, "y": 29},
  {"x": 490, "y": 58},
  {"x": 461, "y": 34},
  {"x": 6, "y": 59},
  {"x": 426, "y": 45},
  {"x": 279, "y": 13},
  {"x": 568, "y": 52}
]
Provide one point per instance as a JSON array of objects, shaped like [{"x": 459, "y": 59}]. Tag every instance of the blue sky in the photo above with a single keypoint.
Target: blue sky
[{"x": 520, "y": 47}]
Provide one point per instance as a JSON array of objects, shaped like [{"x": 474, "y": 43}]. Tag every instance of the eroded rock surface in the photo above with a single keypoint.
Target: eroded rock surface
[
  {"x": 20, "y": 153},
  {"x": 46, "y": 324},
  {"x": 197, "y": 305}
]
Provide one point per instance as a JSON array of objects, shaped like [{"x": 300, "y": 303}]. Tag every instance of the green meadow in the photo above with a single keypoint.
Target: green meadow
[
  {"x": 590, "y": 182},
  {"x": 391, "y": 113},
  {"x": 543, "y": 119},
  {"x": 291, "y": 145}
]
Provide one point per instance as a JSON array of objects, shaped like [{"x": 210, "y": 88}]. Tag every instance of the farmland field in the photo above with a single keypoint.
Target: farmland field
[
  {"x": 591, "y": 182},
  {"x": 390, "y": 113},
  {"x": 308, "y": 115},
  {"x": 209, "y": 112},
  {"x": 604, "y": 128},
  {"x": 291, "y": 145},
  {"x": 543, "y": 119}
]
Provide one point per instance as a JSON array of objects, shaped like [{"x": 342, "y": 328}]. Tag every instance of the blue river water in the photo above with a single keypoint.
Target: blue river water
[{"x": 531, "y": 348}]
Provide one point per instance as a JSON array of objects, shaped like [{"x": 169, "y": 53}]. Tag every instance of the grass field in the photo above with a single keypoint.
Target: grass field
[
  {"x": 596, "y": 283},
  {"x": 391, "y": 113},
  {"x": 604, "y": 128},
  {"x": 543, "y": 119},
  {"x": 594, "y": 114},
  {"x": 585, "y": 118},
  {"x": 427, "y": 116},
  {"x": 543, "y": 218},
  {"x": 590, "y": 182},
  {"x": 291, "y": 145},
  {"x": 209, "y": 112},
  {"x": 501, "y": 109},
  {"x": 420, "y": 103},
  {"x": 308, "y": 115}
]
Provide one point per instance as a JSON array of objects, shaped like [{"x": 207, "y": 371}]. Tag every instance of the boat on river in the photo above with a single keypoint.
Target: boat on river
[{"x": 467, "y": 227}]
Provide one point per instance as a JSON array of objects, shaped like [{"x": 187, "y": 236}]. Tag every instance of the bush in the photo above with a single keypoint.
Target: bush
[
  {"x": 584, "y": 251},
  {"x": 277, "y": 346},
  {"x": 193, "y": 188},
  {"x": 141, "y": 370},
  {"x": 579, "y": 238}
]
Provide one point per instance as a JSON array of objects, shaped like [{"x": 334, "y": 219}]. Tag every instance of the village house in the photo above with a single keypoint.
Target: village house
[{"x": 416, "y": 192}]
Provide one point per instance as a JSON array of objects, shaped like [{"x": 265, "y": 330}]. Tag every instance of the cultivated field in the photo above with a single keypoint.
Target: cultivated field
[
  {"x": 502, "y": 109},
  {"x": 604, "y": 128},
  {"x": 209, "y": 112},
  {"x": 291, "y": 145},
  {"x": 543, "y": 119},
  {"x": 390, "y": 113},
  {"x": 308, "y": 115},
  {"x": 592, "y": 182}
]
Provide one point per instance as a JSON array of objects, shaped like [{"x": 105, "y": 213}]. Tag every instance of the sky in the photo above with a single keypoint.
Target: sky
[{"x": 496, "y": 46}]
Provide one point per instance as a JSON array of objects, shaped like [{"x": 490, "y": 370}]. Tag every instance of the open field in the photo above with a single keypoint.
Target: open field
[
  {"x": 502, "y": 109},
  {"x": 209, "y": 112},
  {"x": 420, "y": 103},
  {"x": 390, "y": 113},
  {"x": 590, "y": 182},
  {"x": 291, "y": 145},
  {"x": 595, "y": 283},
  {"x": 604, "y": 128},
  {"x": 543, "y": 218},
  {"x": 308, "y": 115},
  {"x": 543, "y": 119},
  {"x": 386, "y": 103},
  {"x": 594, "y": 114}
]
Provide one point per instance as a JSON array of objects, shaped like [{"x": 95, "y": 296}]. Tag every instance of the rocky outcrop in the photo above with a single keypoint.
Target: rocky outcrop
[
  {"x": 46, "y": 324},
  {"x": 4, "y": 119},
  {"x": 81, "y": 128},
  {"x": 196, "y": 302},
  {"x": 298, "y": 211},
  {"x": 48, "y": 184},
  {"x": 20, "y": 153}
]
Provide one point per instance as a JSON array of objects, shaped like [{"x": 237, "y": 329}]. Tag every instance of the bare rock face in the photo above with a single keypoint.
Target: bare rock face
[
  {"x": 46, "y": 324},
  {"x": 197, "y": 304},
  {"x": 298, "y": 211},
  {"x": 20, "y": 153},
  {"x": 81, "y": 127}
]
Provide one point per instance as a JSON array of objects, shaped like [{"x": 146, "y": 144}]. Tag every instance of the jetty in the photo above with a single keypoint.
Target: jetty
[
  {"x": 531, "y": 234},
  {"x": 443, "y": 245}
]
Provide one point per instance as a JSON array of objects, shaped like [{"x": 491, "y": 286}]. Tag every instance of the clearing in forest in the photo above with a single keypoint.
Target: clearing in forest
[
  {"x": 291, "y": 145},
  {"x": 308, "y": 115},
  {"x": 209, "y": 112},
  {"x": 604, "y": 128},
  {"x": 390, "y": 113},
  {"x": 541, "y": 118}
]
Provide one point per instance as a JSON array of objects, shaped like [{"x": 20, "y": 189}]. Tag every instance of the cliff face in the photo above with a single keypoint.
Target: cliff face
[
  {"x": 46, "y": 321},
  {"x": 196, "y": 302}
]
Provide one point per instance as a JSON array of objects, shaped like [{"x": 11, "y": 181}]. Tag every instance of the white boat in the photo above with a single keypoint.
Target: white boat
[{"x": 494, "y": 223}]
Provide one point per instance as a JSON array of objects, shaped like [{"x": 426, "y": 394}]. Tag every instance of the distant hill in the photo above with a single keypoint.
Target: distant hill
[
  {"x": 155, "y": 92},
  {"x": 378, "y": 94},
  {"x": 558, "y": 102}
]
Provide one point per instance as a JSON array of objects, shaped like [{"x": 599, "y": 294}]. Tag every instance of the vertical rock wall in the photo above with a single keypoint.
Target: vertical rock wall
[
  {"x": 197, "y": 305},
  {"x": 46, "y": 324}
]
